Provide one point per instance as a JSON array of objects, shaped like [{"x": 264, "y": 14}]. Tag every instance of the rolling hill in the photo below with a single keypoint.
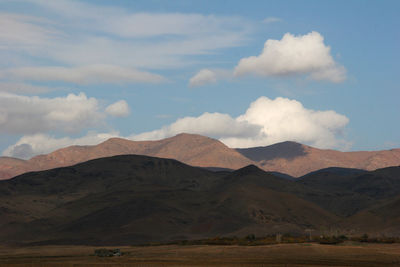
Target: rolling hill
[{"x": 133, "y": 199}]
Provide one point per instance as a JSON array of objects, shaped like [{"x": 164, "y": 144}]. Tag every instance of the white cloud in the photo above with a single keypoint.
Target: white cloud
[
  {"x": 31, "y": 145},
  {"x": 209, "y": 124},
  {"x": 18, "y": 87},
  {"x": 148, "y": 24},
  {"x": 24, "y": 32},
  {"x": 209, "y": 76},
  {"x": 118, "y": 109},
  {"x": 28, "y": 115},
  {"x": 82, "y": 75},
  {"x": 119, "y": 22},
  {"x": 294, "y": 55},
  {"x": 78, "y": 33},
  {"x": 283, "y": 119},
  {"x": 265, "y": 122},
  {"x": 204, "y": 76}
]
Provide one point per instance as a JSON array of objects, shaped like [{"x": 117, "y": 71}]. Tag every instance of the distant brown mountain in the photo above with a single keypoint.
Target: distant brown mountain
[
  {"x": 297, "y": 160},
  {"x": 288, "y": 157},
  {"x": 195, "y": 150}
]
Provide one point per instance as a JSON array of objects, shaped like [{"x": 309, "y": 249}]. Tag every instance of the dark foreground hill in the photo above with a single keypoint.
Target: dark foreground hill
[
  {"x": 137, "y": 199},
  {"x": 192, "y": 149}
]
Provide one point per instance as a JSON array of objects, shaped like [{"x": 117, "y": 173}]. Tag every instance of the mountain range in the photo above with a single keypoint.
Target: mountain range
[
  {"x": 289, "y": 158},
  {"x": 133, "y": 199}
]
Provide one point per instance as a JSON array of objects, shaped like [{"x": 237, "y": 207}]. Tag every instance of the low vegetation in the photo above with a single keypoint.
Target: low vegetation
[
  {"x": 303, "y": 254},
  {"x": 252, "y": 240}
]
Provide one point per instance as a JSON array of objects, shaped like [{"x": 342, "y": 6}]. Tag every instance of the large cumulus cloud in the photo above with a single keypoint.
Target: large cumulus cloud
[
  {"x": 294, "y": 55},
  {"x": 27, "y": 115},
  {"x": 265, "y": 122}
]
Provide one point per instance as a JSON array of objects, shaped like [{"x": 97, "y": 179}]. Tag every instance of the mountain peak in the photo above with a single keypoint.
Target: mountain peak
[
  {"x": 249, "y": 169},
  {"x": 192, "y": 137}
]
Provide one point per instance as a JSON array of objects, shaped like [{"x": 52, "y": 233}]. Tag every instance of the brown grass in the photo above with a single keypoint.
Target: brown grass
[{"x": 348, "y": 254}]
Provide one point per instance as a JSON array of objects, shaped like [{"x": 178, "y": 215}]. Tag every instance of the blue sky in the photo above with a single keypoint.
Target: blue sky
[{"x": 323, "y": 73}]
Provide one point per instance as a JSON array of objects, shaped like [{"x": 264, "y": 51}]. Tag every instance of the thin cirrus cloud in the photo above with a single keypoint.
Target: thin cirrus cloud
[
  {"x": 294, "y": 55},
  {"x": 92, "y": 74},
  {"x": 24, "y": 32},
  {"x": 26, "y": 88},
  {"x": 87, "y": 34},
  {"x": 118, "y": 109},
  {"x": 271, "y": 20},
  {"x": 119, "y": 22},
  {"x": 265, "y": 122}
]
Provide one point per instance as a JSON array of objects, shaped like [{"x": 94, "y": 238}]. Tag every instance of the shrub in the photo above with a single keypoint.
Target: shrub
[
  {"x": 107, "y": 252},
  {"x": 251, "y": 237},
  {"x": 330, "y": 240}
]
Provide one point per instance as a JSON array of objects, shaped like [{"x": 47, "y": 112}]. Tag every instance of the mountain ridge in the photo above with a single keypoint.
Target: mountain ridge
[
  {"x": 289, "y": 158},
  {"x": 192, "y": 149},
  {"x": 296, "y": 159}
]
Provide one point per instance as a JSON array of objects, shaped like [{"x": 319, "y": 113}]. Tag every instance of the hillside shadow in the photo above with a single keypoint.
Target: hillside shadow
[{"x": 286, "y": 150}]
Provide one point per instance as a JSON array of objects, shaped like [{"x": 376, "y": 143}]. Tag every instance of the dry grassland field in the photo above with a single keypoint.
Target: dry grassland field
[{"x": 348, "y": 254}]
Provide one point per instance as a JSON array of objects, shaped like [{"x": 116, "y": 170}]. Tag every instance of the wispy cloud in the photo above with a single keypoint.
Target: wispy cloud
[
  {"x": 25, "y": 32},
  {"x": 82, "y": 75},
  {"x": 271, "y": 20},
  {"x": 24, "y": 88},
  {"x": 75, "y": 33}
]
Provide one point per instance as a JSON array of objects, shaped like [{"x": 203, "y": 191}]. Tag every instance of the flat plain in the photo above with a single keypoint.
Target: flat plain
[{"x": 305, "y": 254}]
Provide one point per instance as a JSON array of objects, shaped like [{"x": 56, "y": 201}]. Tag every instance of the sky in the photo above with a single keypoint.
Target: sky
[{"x": 249, "y": 73}]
